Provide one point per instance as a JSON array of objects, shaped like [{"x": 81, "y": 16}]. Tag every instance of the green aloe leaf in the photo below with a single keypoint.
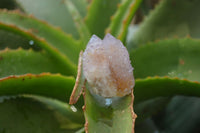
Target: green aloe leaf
[
  {"x": 78, "y": 20},
  {"x": 17, "y": 41},
  {"x": 108, "y": 115},
  {"x": 81, "y": 6},
  {"x": 147, "y": 126},
  {"x": 180, "y": 121},
  {"x": 182, "y": 19},
  {"x": 173, "y": 58},
  {"x": 151, "y": 88},
  {"x": 56, "y": 13},
  {"x": 122, "y": 18},
  {"x": 170, "y": 18},
  {"x": 150, "y": 107},
  {"x": 75, "y": 115},
  {"x": 99, "y": 15},
  {"x": 17, "y": 62},
  {"x": 50, "y": 85},
  {"x": 9, "y": 4},
  {"x": 164, "y": 87},
  {"x": 36, "y": 114},
  {"x": 54, "y": 53},
  {"x": 54, "y": 36},
  {"x": 80, "y": 81}
]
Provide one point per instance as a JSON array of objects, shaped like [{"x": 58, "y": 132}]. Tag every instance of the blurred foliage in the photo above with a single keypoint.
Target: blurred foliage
[{"x": 39, "y": 46}]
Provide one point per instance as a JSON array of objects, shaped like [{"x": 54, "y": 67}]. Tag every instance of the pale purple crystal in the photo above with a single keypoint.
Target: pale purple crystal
[{"x": 107, "y": 67}]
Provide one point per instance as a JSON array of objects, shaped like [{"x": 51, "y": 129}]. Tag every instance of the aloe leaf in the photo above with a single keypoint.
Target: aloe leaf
[
  {"x": 17, "y": 62},
  {"x": 147, "y": 126},
  {"x": 17, "y": 41},
  {"x": 54, "y": 36},
  {"x": 34, "y": 114},
  {"x": 81, "y": 6},
  {"x": 173, "y": 58},
  {"x": 156, "y": 87},
  {"x": 80, "y": 82},
  {"x": 108, "y": 115},
  {"x": 82, "y": 130},
  {"x": 56, "y": 13},
  {"x": 175, "y": 122},
  {"x": 150, "y": 107},
  {"x": 72, "y": 113},
  {"x": 62, "y": 59},
  {"x": 50, "y": 85},
  {"x": 80, "y": 25},
  {"x": 122, "y": 18},
  {"x": 165, "y": 120},
  {"x": 182, "y": 20},
  {"x": 164, "y": 87},
  {"x": 8, "y": 4},
  {"x": 99, "y": 15}
]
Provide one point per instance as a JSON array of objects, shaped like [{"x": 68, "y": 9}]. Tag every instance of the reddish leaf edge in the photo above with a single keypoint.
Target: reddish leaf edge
[
  {"x": 27, "y": 75},
  {"x": 57, "y": 86},
  {"x": 31, "y": 16},
  {"x": 43, "y": 44},
  {"x": 80, "y": 82},
  {"x": 152, "y": 87}
]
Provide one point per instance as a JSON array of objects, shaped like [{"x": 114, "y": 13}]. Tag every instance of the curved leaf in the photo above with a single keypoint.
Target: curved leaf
[
  {"x": 17, "y": 41},
  {"x": 80, "y": 81},
  {"x": 147, "y": 126},
  {"x": 150, "y": 107},
  {"x": 72, "y": 113},
  {"x": 170, "y": 18},
  {"x": 34, "y": 114},
  {"x": 175, "y": 122},
  {"x": 56, "y": 13},
  {"x": 8, "y": 4},
  {"x": 122, "y": 18},
  {"x": 57, "y": 38},
  {"x": 80, "y": 25},
  {"x": 17, "y": 62},
  {"x": 55, "y": 86},
  {"x": 174, "y": 58},
  {"x": 99, "y": 15},
  {"x": 81, "y": 6},
  {"x": 54, "y": 53},
  {"x": 164, "y": 87}
]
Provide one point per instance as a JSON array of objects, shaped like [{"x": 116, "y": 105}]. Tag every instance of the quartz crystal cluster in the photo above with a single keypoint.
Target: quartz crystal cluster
[{"x": 107, "y": 67}]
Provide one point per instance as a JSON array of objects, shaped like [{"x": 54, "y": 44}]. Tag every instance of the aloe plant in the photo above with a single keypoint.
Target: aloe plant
[{"x": 40, "y": 43}]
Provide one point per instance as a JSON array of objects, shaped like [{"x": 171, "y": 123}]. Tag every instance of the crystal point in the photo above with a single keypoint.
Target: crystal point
[{"x": 107, "y": 68}]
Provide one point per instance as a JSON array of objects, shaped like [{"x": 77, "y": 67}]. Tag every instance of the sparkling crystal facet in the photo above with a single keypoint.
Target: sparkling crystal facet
[{"x": 107, "y": 67}]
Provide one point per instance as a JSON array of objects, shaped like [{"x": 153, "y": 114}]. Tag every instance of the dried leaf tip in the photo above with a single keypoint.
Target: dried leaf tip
[{"x": 107, "y": 67}]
